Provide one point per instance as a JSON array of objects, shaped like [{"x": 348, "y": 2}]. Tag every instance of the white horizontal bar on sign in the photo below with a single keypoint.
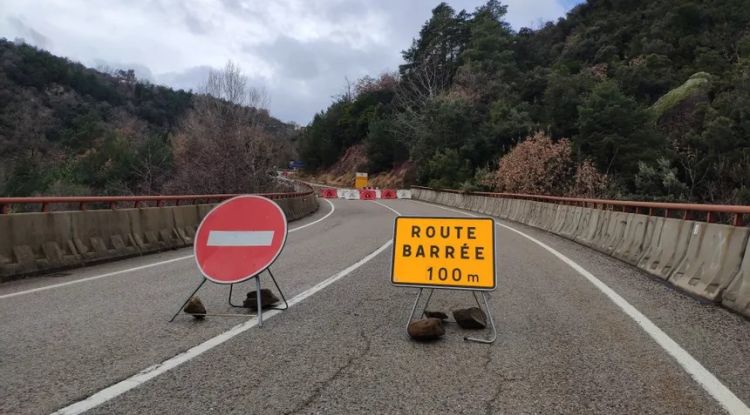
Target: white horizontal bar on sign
[{"x": 240, "y": 238}]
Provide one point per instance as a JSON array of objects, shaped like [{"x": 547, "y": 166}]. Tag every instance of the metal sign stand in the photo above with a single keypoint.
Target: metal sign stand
[
  {"x": 231, "y": 286},
  {"x": 486, "y": 311}
]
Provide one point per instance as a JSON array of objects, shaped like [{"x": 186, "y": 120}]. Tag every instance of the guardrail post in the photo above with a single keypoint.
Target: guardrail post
[
  {"x": 44, "y": 207},
  {"x": 5, "y": 209}
]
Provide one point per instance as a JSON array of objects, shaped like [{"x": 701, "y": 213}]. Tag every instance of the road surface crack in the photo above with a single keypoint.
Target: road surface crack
[
  {"x": 498, "y": 391},
  {"x": 322, "y": 386}
]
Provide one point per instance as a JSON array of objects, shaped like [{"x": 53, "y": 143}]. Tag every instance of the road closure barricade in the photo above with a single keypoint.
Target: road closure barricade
[
  {"x": 328, "y": 193},
  {"x": 367, "y": 194},
  {"x": 388, "y": 194}
]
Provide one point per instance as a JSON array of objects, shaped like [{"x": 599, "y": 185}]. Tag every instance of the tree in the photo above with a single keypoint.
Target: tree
[
  {"x": 221, "y": 146},
  {"x": 616, "y": 132}
]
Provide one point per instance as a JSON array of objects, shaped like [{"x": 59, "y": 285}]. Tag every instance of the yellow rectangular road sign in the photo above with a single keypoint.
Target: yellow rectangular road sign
[
  {"x": 431, "y": 252},
  {"x": 360, "y": 181}
]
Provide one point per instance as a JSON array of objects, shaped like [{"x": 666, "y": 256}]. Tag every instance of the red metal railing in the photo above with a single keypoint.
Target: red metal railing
[
  {"x": 113, "y": 202},
  {"x": 708, "y": 213}
]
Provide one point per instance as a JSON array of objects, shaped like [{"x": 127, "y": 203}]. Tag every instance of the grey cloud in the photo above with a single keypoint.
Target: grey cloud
[
  {"x": 28, "y": 34},
  {"x": 196, "y": 25}
]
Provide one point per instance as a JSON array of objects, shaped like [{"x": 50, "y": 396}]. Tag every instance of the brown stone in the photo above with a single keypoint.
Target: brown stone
[
  {"x": 436, "y": 314},
  {"x": 196, "y": 308},
  {"x": 267, "y": 299},
  {"x": 426, "y": 329},
  {"x": 470, "y": 318}
]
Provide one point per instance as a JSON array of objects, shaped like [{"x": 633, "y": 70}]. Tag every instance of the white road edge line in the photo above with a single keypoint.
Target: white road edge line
[
  {"x": 155, "y": 264},
  {"x": 387, "y": 207},
  {"x": 151, "y": 372},
  {"x": 710, "y": 383}
]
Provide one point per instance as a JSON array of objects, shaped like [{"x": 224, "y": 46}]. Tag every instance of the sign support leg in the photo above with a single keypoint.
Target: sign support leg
[
  {"x": 414, "y": 308},
  {"x": 286, "y": 305},
  {"x": 258, "y": 300},
  {"x": 427, "y": 304},
  {"x": 488, "y": 312},
  {"x": 188, "y": 299}
]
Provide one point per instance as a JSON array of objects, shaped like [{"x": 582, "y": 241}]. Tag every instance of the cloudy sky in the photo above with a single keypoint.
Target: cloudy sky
[{"x": 300, "y": 51}]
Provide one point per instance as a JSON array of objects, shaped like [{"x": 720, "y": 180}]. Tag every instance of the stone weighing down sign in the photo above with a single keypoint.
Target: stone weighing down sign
[
  {"x": 239, "y": 239},
  {"x": 457, "y": 253}
]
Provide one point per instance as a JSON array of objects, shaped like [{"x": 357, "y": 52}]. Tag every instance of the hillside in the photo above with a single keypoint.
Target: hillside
[
  {"x": 652, "y": 95},
  {"x": 66, "y": 129}
]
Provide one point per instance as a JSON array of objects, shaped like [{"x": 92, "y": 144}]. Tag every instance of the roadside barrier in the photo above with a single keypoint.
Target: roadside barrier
[
  {"x": 44, "y": 241},
  {"x": 667, "y": 248},
  {"x": 706, "y": 259},
  {"x": 403, "y": 194},
  {"x": 351, "y": 194},
  {"x": 366, "y": 194},
  {"x": 713, "y": 259},
  {"x": 328, "y": 193},
  {"x": 737, "y": 295},
  {"x": 388, "y": 194}
]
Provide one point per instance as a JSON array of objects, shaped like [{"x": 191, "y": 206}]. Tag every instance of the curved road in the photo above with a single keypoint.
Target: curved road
[{"x": 98, "y": 338}]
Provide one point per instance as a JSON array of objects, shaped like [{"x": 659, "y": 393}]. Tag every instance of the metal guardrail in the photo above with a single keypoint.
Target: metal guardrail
[
  {"x": 689, "y": 211},
  {"x": 113, "y": 202}
]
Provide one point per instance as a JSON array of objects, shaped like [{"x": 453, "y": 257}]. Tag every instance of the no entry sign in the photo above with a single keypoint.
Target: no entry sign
[
  {"x": 454, "y": 253},
  {"x": 239, "y": 238}
]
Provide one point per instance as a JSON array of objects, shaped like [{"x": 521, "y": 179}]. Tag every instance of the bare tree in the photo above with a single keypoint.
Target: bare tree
[
  {"x": 422, "y": 84},
  {"x": 221, "y": 146}
]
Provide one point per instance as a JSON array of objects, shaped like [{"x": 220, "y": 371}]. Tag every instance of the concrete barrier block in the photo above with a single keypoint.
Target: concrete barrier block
[
  {"x": 587, "y": 216},
  {"x": 572, "y": 220},
  {"x": 667, "y": 248},
  {"x": 590, "y": 233},
  {"x": 501, "y": 207},
  {"x": 637, "y": 234},
  {"x": 516, "y": 210},
  {"x": 24, "y": 256},
  {"x": 153, "y": 229},
  {"x": 560, "y": 218},
  {"x": 737, "y": 295},
  {"x": 186, "y": 221},
  {"x": 713, "y": 258},
  {"x": 550, "y": 215},
  {"x": 93, "y": 233},
  {"x": 404, "y": 193},
  {"x": 614, "y": 232}
]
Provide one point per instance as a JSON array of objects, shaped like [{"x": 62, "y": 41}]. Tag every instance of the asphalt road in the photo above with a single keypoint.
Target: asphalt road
[{"x": 563, "y": 346}]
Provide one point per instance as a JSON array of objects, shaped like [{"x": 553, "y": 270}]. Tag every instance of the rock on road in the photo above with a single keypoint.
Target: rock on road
[{"x": 563, "y": 347}]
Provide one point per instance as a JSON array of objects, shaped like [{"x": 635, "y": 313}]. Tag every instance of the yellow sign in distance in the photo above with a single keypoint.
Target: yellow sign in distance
[
  {"x": 457, "y": 253},
  {"x": 360, "y": 181}
]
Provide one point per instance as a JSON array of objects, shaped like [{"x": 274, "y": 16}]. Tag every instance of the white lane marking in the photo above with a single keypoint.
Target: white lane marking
[
  {"x": 387, "y": 207},
  {"x": 96, "y": 277},
  {"x": 151, "y": 372},
  {"x": 333, "y": 209},
  {"x": 124, "y": 271},
  {"x": 240, "y": 238},
  {"x": 710, "y": 383}
]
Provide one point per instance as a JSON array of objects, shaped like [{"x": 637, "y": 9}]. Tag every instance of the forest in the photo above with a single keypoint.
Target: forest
[
  {"x": 66, "y": 129},
  {"x": 641, "y": 99}
]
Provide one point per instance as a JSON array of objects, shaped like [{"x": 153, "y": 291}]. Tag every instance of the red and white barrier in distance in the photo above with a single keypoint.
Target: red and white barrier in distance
[{"x": 364, "y": 194}]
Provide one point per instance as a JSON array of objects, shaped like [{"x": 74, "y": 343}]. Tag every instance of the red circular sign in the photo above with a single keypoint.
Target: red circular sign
[{"x": 239, "y": 238}]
